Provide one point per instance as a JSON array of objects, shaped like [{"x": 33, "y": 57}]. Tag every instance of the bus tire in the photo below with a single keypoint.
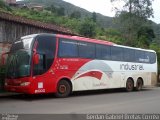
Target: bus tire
[
  {"x": 63, "y": 89},
  {"x": 139, "y": 84},
  {"x": 129, "y": 85}
]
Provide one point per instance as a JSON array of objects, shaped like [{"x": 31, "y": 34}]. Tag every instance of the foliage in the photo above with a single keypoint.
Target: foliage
[
  {"x": 133, "y": 18},
  {"x": 115, "y": 36},
  {"x": 87, "y": 28},
  {"x": 56, "y": 10},
  {"x": 94, "y": 17},
  {"x": 156, "y": 47},
  {"x": 3, "y": 6},
  {"x": 76, "y": 14},
  {"x": 127, "y": 26},
  {"x": 140, "y": 8},
  {"x": 145, "y": 35},
  {"x": 103, "y": 21}
]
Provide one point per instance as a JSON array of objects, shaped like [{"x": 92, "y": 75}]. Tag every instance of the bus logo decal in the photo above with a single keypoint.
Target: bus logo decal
[
  {"x": 131, "y": 67},
  {"x": 96, "y": 74},
  {"x": 94, "y": 68}
]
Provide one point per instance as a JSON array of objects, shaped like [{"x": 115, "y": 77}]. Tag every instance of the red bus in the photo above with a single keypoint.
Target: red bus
[{"x": 61, "y": 64}]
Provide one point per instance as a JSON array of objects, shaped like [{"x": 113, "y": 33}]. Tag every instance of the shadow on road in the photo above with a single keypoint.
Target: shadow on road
[{"x": 74, "y": 94}]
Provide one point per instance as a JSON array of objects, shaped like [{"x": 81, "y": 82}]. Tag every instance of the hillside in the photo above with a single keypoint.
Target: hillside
[{"x": 103, "y": 21}]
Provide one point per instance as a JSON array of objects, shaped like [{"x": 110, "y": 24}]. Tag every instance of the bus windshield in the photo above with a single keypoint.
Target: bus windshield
[
  {"x": 19, "y": 59},
  {"x": 18, "y": 64}
]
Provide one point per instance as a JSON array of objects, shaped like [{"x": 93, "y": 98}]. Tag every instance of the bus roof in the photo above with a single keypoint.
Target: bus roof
[
  {"x": 85, "y": 39},
  {"x": 29, "y": 36},
  {"x": 135, "y": 48},
  {"x": 99, "y": 42}
]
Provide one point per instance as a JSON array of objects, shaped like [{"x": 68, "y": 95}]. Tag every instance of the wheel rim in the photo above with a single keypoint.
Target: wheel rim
[
  {"x": 62, "y": 89},
  {"x": 129, "y": 85}
]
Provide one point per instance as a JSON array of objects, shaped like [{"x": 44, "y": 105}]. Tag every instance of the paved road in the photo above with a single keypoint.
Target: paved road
[{"x": 106, "y": 101}]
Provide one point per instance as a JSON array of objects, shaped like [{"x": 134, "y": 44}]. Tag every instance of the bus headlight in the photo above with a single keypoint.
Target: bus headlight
[
  {"x": 6, "y": 84},
  {"x": 25, "y": 84}
]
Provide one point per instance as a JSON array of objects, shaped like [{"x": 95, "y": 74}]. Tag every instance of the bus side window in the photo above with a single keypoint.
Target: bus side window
[
  {"x": 151, "y": 57},
  {"x": 139, "y": 55},
  {"x": 86, "y": 50},
  {"x": 103, "y": 52},
  {"x": 116, "y": 53},
  {"x": 128, "y": 55},
  {"x": 67, "y": 48}
]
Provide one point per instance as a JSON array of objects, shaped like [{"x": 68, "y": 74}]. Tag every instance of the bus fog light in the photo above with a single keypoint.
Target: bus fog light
[{"x": 25, "y": 84}]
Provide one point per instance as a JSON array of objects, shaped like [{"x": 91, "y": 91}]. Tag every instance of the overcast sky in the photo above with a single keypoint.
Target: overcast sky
[{"x": 105, "y": 7}]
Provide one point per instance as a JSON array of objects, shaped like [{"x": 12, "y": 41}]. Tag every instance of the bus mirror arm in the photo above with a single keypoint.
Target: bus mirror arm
[
  {"x": 3, "y": 59},
  {"x": 36, "y": 58}
]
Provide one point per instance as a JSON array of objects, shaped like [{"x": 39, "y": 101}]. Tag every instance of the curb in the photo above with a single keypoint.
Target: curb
[{"x": 6, "y": 94}]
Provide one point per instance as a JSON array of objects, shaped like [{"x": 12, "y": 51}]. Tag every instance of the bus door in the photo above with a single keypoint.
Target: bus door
[{"x": 44, "y": 50}]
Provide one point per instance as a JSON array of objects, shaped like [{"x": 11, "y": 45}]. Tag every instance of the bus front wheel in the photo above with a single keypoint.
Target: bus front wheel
[
  {"x": 129, "y": 85},
  {"x": 63, "y": 89}
]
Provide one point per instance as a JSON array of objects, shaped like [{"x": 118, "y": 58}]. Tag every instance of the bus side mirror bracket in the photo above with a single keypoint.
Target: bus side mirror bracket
[{"x": 3, "y": 58}]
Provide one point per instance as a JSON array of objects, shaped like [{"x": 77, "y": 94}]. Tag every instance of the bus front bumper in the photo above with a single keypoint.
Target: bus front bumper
[{"x": 18, "y": 89}]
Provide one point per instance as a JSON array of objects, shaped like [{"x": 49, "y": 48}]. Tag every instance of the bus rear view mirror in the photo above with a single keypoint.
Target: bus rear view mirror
[
  {"x": 36, "y": 58},
  {"x": 3, "y": 58}
]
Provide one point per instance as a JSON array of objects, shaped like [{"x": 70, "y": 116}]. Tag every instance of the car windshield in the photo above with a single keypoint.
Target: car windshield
[{"x": 18, "y": 64}]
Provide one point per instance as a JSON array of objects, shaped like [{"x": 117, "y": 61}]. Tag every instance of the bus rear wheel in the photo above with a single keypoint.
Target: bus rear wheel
[
  {"x": 129, "y": 85},
  {"x": 63, "y": 89},
  {"x": 139, "y": 85}
]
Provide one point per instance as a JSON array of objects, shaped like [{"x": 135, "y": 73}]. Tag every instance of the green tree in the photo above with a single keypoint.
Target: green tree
[
  {"x": 145, "y": 35},
  {"x": 76, "y": 14},
  {"x": 140, "y": 8},
  {"x": 94, "y": 17},
  {"x": 3, "y": 6},
  {"x": 61, "y": 11},
  {"x": 58, "y": 11},
  {"x": 51, "y": 8},
  {"x": 133, "y": 16},
  {"x": 156, "y": 47},
  {"x": 87, "y": 28},
  {"x": 114, "y": 35}
]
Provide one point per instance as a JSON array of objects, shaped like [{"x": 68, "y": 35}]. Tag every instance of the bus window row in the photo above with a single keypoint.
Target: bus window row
[{"x": 74, "y": 49}]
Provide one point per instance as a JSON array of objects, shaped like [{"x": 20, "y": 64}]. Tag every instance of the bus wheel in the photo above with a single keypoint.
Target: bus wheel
[
  {"x": 129, "y": 85},
  {"x": 63, "y": 89},
  {"x": 139, "y": 84}
]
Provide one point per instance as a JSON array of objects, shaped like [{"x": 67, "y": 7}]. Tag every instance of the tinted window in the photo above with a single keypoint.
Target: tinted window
[
  {"x": 86, "y": 50},
  {"x": 17, "y": 46},
  {"x": 103, "y": 52},
  {"x": 128, "y": 55},
  {"x": 116, "y": 53},
  {"x": 150, "y": 57},
  {"x": 68, "y": 48},
  {"x": 46, "y": 46},
  {"x": 139, "y": 56}
]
